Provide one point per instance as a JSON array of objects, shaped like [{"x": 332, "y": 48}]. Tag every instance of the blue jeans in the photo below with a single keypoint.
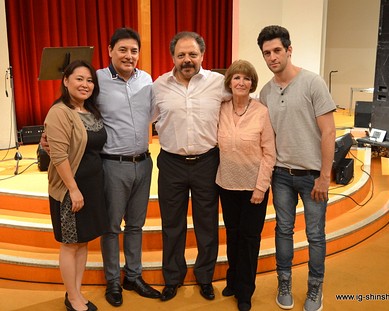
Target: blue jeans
[{"x": 286, "y": 189}]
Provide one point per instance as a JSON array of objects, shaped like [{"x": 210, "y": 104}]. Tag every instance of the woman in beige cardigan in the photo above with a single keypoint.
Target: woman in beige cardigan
[{"x": 76, "y": 135}]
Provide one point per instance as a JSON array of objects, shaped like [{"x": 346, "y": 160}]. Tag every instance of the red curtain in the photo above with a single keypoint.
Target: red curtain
[
  {"x": 212, "y": 19},
  {"x": 35, "y": 24}
]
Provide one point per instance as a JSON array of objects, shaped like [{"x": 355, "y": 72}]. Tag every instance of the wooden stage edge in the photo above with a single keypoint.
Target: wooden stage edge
[{"x": 355, "y": 212}]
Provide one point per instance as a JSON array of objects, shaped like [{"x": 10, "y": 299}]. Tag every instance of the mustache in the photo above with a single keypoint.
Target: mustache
[{"x": 187, "y": 66}]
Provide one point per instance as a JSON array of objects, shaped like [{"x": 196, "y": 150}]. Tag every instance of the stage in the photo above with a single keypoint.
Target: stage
[{"x": 355, "y": 211}]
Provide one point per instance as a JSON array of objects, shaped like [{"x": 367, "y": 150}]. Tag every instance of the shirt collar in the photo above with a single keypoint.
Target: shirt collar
[{"x": 115, "y": 75}]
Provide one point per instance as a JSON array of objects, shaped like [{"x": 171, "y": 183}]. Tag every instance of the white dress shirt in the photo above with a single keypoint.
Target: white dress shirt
[{"x": 187, "y": 117}]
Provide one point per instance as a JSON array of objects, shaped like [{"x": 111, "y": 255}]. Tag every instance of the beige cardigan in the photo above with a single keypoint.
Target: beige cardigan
[{"x": 67, "y": 138}]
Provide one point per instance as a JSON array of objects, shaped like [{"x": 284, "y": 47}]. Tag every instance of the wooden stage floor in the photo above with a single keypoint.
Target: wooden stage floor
[{"x": 358, "y": 270}]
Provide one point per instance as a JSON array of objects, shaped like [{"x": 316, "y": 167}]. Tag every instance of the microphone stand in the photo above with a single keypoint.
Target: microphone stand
[{"x": 18, "y": 156}]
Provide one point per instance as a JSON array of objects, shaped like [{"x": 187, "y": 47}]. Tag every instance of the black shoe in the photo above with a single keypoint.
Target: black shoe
[
  {"x": 141, "y": 287},
  {"x": 227, "y": 292},
  {"x": 169, "y": 292},
  {"x": 244, "y": 306},
  {"x": 113, "y": 294},
  {"x": 206, "y": 290},
  {"x": 69, "y": 307},
  {"x": 91, "y": 306}
]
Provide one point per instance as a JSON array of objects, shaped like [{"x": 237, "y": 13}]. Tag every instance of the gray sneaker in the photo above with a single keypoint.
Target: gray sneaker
[
  {"x": 284, "y": 296},
  {"x": 314, "y": 301}
]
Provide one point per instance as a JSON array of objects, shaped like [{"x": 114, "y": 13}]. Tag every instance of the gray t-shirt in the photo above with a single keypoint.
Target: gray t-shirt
[{"x": 293, "y": 111}]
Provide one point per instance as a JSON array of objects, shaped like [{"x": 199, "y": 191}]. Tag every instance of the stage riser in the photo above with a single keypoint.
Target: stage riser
[
  {"x": 154, "y": 276},
  {"x": 20, "y": 247},
  {"x": 30, "y": 204},
  {"x": 40, "y": 205},
  {"x": 152, "y": 240}
]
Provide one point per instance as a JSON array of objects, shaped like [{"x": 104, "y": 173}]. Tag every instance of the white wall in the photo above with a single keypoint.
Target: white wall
[
  {"x": 303, "y": 18},
  {"x": 7, "y": 121},
  {"x": 326, "y": 35},
  {"x": 351, "y": 47}
]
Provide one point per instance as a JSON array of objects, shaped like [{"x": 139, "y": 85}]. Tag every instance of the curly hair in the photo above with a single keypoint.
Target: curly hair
[{"x": 274, "y": 32}]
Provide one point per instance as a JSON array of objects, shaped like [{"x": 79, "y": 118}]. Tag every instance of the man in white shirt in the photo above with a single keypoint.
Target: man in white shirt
[{"x": 187, "y": 103}]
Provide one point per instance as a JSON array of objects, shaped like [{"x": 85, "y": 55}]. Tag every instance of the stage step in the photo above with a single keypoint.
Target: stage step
[
  {"x": 15, "y": 225},
  {"x": 40, "y": 264},
  {"x": 29, "y": 252}
]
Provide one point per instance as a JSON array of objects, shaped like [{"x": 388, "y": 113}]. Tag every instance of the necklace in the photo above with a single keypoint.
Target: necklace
[
  {"x": 80, "y": 109},
  {"x": 245, "y": 109}
]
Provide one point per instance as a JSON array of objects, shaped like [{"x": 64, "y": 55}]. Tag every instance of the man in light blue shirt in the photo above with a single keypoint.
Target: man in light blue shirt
[{"x": 125, "y": 104}]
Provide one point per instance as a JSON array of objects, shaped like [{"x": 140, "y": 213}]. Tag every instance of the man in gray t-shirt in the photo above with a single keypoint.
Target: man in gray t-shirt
[{"x": 301, "y": 112}]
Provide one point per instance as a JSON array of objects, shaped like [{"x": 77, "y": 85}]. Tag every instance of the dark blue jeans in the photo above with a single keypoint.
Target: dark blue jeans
[{"x": 286, "y": 189}]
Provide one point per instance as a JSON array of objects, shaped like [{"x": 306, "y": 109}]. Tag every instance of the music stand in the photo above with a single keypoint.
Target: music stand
[{"x": 55, "y": 59}]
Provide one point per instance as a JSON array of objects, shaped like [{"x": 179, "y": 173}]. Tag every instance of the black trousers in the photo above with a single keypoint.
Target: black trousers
[
  {"x": 244, "y": 222},
  {"x": 176, "y": 179}
]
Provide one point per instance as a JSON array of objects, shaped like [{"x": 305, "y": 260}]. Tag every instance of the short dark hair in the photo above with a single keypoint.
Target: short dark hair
[
  {"x": 124, "y": 33},
  {"x": 274, "y": 32},
  {"x": 187, "y": 34},
  {"x": 243, "y": 67},
  {"x": 90, "y": 103}
]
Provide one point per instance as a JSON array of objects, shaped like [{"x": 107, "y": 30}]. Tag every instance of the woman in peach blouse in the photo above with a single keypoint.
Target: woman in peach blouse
[{"x": 247, "y": 157}]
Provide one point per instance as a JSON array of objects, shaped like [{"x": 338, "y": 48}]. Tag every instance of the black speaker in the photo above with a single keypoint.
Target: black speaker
[
  {"x": 345, "y": 171},
  {"x": 383, "y": 26},
  {"x": 362, "y": 115},
  {"x": 31, "y": 134},
  {"x": 381, "y": 80},
  {"x": 380, "y": 118},
  {"x": 380, "y": 109},
  {"x": 43, "y": 159}
]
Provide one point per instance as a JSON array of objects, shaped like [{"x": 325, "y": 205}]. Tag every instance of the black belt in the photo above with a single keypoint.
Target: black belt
[
  {"x": 191, "y": 159},
  {"x": 296, "y": 172},
  {"x": 124, "y": 158}
]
